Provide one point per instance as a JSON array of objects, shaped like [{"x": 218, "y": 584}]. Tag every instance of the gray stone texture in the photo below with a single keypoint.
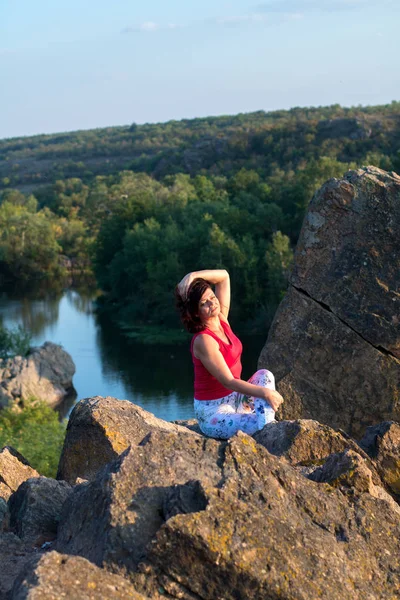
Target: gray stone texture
[
  {"x": 334, "y": 345},
  {"x": 382, "y": 443},
  {"x": 54, "y": 576},
  {"x": 304, "y": 442},
  {"x": 194, "y": 518},
  {"x": 14, "y": 470},
  {"x": 35, "y": 508},
  {"x": 14, "y": 555},
  {"x": 44, "y": 374}
]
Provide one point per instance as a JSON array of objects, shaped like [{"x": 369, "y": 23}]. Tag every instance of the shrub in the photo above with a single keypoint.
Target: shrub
[
  {"x": 36, "y": 432},
  {"x": 14, "y": 342}
]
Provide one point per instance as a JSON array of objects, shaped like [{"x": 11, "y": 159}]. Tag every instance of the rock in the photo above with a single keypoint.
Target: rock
[
  {"x": 320, "y": 368},
  {"x": 46, "y": 374},
  {"x": 54, "y": 576},
  {"x": 14, "y": 470},
  {"x": 139, "y": 489},
  {"x": 303, "y": 442},
  {"x": 35, "y": 509},
  {"x": 191, "y": 424},
  {"x": 334, "y": 346},
  {"x": 5, "y": 491},
  {"x": 14, "y": 554},
  {"x": 196, "y": 518},
  {"x": 349, "y": 472},
  {"x": 382, "y": 443},
  {"x": 99, "y": 430}
]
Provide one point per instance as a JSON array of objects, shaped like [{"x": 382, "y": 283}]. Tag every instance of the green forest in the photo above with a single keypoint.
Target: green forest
[{"x": 141, "y": 205}]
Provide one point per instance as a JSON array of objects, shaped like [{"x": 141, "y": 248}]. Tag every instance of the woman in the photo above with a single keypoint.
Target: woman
[{"x": 223, "y": 403}]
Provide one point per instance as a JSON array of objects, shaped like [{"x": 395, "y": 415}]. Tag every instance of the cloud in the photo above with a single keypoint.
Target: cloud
[
  {"x": 150, "y": 27},
  {"x": 223, "y": 21},
  {"x": 301, "y": 6},
  {"x": 234, "y": 19},
  {"x": 257, "y": 18},
  {"x": 268, "y": 12}
]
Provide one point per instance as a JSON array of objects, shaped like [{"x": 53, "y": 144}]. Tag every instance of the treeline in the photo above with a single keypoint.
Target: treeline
[
  {"x": 267, "y": 142},
  {"x": 225, "y": 192}
]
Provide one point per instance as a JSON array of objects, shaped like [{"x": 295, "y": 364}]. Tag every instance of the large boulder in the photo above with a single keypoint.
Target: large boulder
[
  {"x": 45, "y": 373},
  {"x": 334, "y": 345},
  {"x": 99, "y": 430},
  {"x": 35, "y": 509},
  {"x": 53, "y": 576},
  {"x": 130, "y": 498},
  {"x": 197, "y": 518},
  {"x": 14, "y": 470}
]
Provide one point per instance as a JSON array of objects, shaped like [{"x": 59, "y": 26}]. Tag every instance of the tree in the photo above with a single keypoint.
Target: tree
[{"x": 28, "y": 247}]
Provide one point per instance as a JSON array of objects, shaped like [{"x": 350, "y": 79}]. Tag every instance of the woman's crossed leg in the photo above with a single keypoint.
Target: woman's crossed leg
[{"x": 226, "y": 416}]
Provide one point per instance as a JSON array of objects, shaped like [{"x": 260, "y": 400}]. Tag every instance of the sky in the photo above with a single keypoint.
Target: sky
[{"x": 67, "y": 65}]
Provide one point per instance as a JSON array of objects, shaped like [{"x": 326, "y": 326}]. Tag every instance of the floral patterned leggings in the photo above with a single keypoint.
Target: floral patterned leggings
[{"x": 223, "y": 417}]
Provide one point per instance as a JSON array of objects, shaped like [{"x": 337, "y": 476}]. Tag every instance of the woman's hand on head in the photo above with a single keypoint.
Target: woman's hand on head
[
  {"x": 184, "y": 285},
  {"x": 273, "y": 398}
]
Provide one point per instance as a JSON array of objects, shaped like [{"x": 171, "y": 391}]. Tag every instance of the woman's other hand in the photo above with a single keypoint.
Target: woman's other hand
[{"x": 273, "y": 398}]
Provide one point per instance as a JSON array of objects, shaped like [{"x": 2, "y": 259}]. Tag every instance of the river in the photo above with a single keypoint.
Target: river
[{"x": 158, "y": 378}]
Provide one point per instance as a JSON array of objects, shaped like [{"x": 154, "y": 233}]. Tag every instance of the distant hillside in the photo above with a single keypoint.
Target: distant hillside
[{"x": 213, "y": 146}]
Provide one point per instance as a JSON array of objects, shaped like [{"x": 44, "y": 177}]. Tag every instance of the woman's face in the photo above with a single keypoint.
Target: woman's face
[{"x": 208, "y": 306}]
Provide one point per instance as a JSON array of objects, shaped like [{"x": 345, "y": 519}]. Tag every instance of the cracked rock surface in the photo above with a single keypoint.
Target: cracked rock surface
[{"x": 334, "y": 345}]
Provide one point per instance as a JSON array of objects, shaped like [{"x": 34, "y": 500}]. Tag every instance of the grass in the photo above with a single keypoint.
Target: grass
[{"x": 36, "y": 432}]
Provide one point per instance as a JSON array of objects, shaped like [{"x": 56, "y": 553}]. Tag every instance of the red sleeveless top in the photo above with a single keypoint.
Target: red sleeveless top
[{"x": 207, "y": 387}]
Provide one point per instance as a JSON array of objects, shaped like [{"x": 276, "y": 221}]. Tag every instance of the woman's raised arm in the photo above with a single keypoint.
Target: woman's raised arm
[{"x": 219, "y": 278}]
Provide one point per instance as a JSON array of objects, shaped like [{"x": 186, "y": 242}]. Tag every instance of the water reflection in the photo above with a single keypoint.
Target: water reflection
[
  {"x": 34, "y": 316},
  {"x": 82, "y": 302},
  {"x": 36, "y": 305},
  {"x": 148, "y": 370}
]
